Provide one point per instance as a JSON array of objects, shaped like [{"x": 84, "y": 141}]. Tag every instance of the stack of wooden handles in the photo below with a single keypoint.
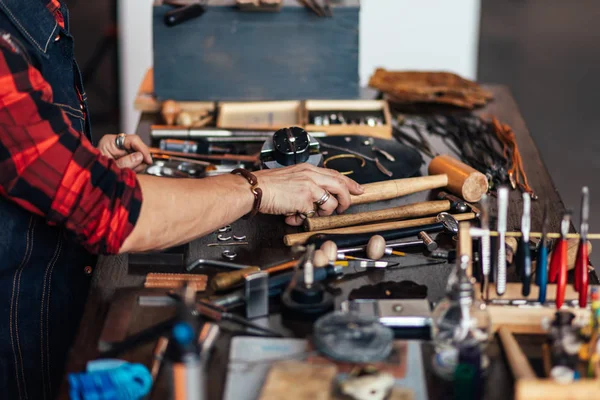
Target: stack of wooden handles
[{"x": 445, "y": 172}]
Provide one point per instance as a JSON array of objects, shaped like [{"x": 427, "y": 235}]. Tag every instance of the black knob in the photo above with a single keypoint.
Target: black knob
[{"x": 291, "y": 146}]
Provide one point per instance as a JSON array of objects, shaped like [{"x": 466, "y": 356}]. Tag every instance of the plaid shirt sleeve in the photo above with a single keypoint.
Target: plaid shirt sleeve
[{"x": 53, "y": 171}]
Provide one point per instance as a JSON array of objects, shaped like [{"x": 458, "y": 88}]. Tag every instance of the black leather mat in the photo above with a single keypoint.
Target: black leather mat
[{"x": 407, "y": 160}]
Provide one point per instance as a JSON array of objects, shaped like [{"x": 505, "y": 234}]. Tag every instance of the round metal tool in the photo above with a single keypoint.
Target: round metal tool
[
  {"x": 228, "y": 254},
  {"x": 290, "y": 146}
]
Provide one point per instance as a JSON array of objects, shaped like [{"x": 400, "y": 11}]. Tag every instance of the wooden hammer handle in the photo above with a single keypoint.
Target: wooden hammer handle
[
  {"x": 517, "y": 361},
  {"x": 398, "y": 187},
  {"x": 301, "y": 238},
  {"x": 402, "y": 212}
]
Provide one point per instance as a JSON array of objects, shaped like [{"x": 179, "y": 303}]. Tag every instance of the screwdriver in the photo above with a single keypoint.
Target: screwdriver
[
  {"x": 582, "y": 259},
  {"x": 502, "y": 216},
  {"x": 485, "y": 242},
  {"x": 541, "y": 277},
  {"x": 558, "y": 263},
  {"x": 523, "y": 252}
]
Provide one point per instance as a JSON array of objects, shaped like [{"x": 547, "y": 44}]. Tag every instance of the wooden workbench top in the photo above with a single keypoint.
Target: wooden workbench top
[{"x": 265, "y": 235}]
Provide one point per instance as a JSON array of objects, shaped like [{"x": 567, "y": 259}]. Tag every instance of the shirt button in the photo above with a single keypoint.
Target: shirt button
[
  {"x": 57, "y": 38},
  {"x": 88, "y": 270},
  {"x": 81, "y": 107}
]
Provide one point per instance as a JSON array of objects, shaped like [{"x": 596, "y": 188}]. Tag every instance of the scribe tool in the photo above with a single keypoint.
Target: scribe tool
[
  {"x": 486, "y": 256},
  {"x": 558, "y": 263},
  {"x": 541, "y": 277},
  {"x": 502, "y": 216},
  {"x": 523, "y": 252},
  {"x": 582, "y": 259}
]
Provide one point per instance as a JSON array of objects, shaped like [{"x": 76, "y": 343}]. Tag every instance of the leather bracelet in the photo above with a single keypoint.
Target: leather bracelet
[{"x": 256, "y": 191}]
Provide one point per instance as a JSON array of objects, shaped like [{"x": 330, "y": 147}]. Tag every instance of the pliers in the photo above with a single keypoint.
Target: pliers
[
  {"x": 582, "y": 259},
  {"x": 523, "y": 252},
  {"x": 558, "y": 263},
  {"x": 541, "y": 277}
]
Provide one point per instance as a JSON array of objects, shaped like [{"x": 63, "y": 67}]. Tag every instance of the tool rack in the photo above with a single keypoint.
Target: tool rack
[{"x": 519, "y": 320}]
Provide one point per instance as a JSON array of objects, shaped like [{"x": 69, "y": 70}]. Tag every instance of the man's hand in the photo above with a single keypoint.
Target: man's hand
[
  {"x": 135, "y": 156},
  {"x": 289, "y": 190}
]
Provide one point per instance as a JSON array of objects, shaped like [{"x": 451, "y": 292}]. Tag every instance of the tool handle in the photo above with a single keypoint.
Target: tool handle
[
  {"x": 541, "y": 273},
  {"x": 524, "y": 265},
  {"x": 182, "y": 14},
  {"x": 378, "y": 228},
  {"x": 226, "y": 280},
  {"x": 360, "y": 239},
  {"x": 501, "y": 266},
  {"x": 581, "y": 273},
  {"x": 518, "y": 362},
  {"x": 402, "y": 212},
  {"x": 561, "y": 263},
  {"x": 398, "y": 187}
]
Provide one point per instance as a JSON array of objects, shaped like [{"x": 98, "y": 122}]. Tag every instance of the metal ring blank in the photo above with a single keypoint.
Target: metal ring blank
[
  {"x": 228, "y": 254},
  {"x": 223, "y": 238}
]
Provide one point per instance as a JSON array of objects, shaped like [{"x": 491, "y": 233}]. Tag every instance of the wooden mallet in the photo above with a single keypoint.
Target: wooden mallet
[{"x": 444, "y": 172}]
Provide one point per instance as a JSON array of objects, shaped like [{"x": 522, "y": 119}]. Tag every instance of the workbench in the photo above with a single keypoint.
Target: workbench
[{"x": 264, "y": 233}]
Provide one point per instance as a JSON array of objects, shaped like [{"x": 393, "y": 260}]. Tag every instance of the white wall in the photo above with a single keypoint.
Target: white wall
[
  {"x": 419, "y": 35},
  {"x": 135, "y": 54},
  {"x": 395, "y": 34}
]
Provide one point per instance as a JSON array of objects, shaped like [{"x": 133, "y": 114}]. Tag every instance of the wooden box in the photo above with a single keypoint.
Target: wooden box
[
  {"x": 351, "y": 111},
  {"x": 260, "y": 115},
  {"x": 229, "y": 55}
]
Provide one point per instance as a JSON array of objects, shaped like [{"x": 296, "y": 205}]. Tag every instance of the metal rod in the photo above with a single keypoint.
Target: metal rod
[
  {"x": 400, "y": 245},
  {"x": 478, "y": 232}
]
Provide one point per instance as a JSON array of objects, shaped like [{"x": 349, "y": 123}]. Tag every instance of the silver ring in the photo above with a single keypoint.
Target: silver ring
[
  {"x": 308, "y": 214},
  {"x": 120, "y": 141},
  {"x": 228, "y": 254},
  {"x": 223, "y": 238},
  {"x": 323, "y": 199}
]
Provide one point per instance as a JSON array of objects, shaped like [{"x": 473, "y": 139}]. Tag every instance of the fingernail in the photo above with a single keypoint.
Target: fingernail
[{"x": 137, "y": 156}]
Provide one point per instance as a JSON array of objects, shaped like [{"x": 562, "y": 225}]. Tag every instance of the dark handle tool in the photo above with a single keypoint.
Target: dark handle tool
[
  {"x": 360, "y": 239},
  {"x": 276, "y": 285},
  {"x": 541, "y": 277},
  {"x": 524, "y": 265},
  {"x": 581, "y": 273},
  {"x": 182, "y": 14}
]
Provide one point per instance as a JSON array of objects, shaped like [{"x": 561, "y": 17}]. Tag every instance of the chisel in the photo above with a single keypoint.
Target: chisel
[
  {"x": 582, "y": 259},
  {"x": 541, "y": 277},
  {"x": 523, "y": 252},
  {"x": 502, "y": 217}
]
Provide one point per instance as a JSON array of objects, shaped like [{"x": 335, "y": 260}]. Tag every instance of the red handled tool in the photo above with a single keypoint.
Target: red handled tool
[
  {"x": 582, "y": 259},
  {"x": 559, "y": 260}
]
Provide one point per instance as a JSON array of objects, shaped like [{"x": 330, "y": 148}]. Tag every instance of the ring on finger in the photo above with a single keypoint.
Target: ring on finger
[
  {"x": 120, "y": 141},
  {"x": 307, "y": 214},
  {"x": 323, "y": 199}
]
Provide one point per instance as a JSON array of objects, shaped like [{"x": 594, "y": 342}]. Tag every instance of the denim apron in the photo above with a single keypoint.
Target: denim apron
[{"x": 44, "y": 273}]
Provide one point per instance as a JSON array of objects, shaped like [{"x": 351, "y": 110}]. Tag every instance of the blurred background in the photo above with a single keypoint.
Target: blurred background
[{"x": 546, "y": 51}]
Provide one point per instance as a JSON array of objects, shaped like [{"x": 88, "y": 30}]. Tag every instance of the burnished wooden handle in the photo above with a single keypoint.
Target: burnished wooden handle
[
  {"x": 398, "y": 187},
  {"x": 547, "y": 389},
  {"x": 300, "y": 238},
  {"x": 463, "y": 180},
  {"x": 402, "y": 212},
  {"x": 225, "y": 280}
]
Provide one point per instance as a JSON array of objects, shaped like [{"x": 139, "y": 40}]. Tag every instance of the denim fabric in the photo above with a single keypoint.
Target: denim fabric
[{"x": 43, "y": 285}]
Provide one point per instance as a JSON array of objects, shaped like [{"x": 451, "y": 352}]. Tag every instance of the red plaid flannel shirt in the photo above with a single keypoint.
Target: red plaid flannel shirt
[{"x": 50, "y": 169}]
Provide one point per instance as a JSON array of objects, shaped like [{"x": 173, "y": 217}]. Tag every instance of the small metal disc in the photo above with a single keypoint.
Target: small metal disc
[
  {"x": 228, "y": 254},
  {"x": 239, "y": 238},
  {"x": 223, "y": 238}
]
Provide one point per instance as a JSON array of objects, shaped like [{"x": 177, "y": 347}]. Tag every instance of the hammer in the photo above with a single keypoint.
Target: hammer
[
  {"x": 446, "y": 202},
  {"x": 444, "y": 172}
]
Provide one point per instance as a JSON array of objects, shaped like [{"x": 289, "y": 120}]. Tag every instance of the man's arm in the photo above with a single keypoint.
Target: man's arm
[{"x": 51, "y": 170}]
